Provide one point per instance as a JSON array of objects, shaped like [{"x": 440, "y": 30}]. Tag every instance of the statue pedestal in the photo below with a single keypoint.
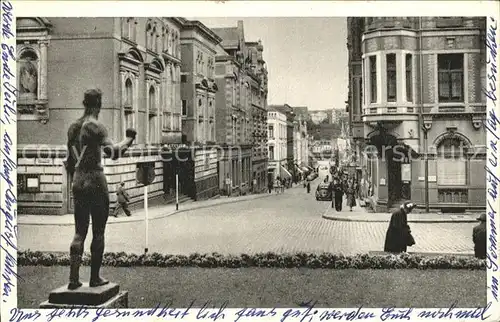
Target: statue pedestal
[{"x": 108, "y": 296}]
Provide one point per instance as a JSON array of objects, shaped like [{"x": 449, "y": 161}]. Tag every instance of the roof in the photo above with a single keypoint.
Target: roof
[
  {"x": 285, "y": 109},
  {"x": 195, "y": 24},
  {"x": 229, "y": 35},
  {"x": 301, "y": 111}
]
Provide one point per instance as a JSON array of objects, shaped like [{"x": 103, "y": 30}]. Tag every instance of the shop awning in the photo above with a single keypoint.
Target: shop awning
[{"x": 285, "y": 173}]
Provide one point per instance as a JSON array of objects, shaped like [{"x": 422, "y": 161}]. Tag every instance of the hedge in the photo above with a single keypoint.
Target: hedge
[{"x": 213, "y": 260}]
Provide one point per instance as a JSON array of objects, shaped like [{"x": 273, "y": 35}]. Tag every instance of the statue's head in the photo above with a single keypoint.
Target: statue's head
[{"x": 92, "y": 100}]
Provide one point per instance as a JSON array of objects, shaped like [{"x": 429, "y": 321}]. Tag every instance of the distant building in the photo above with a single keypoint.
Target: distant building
[
  {"x": 198, "y": 90},
  {"x": 277, "y": 148},
  {"x": 319, "y": 116},
  {"x": 234, "y": 111},
  {"x": 415, "y": 83}
]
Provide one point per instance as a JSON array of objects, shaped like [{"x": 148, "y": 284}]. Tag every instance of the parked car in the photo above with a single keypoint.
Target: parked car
[
  {"x": 323, "y": 192},
  {"x": 312, "y": 176}
]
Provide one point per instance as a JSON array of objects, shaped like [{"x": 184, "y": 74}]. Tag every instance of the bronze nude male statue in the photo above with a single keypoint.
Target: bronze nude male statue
[{"x": 86, "y": 137}]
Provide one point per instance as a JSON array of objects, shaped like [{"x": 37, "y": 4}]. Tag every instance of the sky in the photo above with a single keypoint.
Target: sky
[{"x": 306, "y": 58}]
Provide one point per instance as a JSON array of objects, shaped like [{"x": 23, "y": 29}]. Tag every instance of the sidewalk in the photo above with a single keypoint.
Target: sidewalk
[
  {"x": 359, "y": 214},
  {"x": 154, "y": 212}
]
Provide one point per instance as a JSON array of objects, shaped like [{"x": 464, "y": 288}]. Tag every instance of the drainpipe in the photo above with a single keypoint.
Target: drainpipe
[{"x": 421, "y": 118}]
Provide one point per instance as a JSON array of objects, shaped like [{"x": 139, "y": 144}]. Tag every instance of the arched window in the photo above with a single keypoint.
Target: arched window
[
  {"x": 452, "y": 162},
  {"x": 128, "y": 105},
  {"x": 152, "y": 115},
  {"x": 27, "y": 66},
  {"x": 154, "y": 40},
  {"x": 165, "y": 39},
  {"x": 149, "y": 29},
  {"x": 128, "y": 94}
]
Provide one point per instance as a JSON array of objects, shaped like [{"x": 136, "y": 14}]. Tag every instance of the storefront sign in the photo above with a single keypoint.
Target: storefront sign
[
  {"x": 406, "y": 172},
  {"x": 382, "y": 181}
]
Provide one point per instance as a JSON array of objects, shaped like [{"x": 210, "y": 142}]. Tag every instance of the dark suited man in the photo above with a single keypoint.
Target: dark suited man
[
  {"x": 123, "y": 199},
  {"x": 86, "y": 137},
  {"x": 479, "y": 238},
  {"x": 337, "y": 193}
]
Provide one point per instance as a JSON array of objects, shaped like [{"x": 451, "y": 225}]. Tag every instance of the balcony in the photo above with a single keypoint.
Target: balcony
[{"x": 389, "y": 113}]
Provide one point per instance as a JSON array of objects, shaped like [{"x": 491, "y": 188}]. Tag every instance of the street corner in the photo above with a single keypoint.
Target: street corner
[{"x": 356, "y": 215}]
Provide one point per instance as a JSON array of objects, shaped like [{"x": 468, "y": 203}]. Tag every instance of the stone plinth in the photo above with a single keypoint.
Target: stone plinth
[{"x": 108, "y": 296}]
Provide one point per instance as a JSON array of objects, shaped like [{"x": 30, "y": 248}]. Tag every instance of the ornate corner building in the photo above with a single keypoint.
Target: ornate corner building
[{"x": 416, "y": 110}]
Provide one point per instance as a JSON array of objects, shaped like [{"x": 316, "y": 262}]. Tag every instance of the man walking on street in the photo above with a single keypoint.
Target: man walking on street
[{"x": 123, "y": 200}]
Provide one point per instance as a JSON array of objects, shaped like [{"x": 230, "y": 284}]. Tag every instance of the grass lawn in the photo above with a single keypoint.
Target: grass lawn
[{"x": 268, "y": 287}]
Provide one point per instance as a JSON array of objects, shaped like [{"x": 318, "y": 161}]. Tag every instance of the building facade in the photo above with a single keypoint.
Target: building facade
[
  {"x": 287, "y": 110},
  {"x": 300, "y": 143},
  {"x": 257, "y": 76},
  {"x": 415, "y": 85},
  {"x": 234, "y": 112},
  {"x": 276, "y": 129},
  {"x": 134, "y": 61},
  {"x": 198, "y": 91}
]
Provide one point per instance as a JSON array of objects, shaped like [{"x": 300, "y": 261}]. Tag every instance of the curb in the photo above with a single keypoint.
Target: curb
[
  {"x": 151, "y": 218},
  {"x": 418, "y": 221},
  {"x": 425, "y": 254}
]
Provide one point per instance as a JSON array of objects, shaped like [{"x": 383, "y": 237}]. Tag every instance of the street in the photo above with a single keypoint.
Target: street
[{"x": 288, "y": 222}]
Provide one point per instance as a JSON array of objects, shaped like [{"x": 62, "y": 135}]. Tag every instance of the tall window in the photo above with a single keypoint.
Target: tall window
[
  {"x": 149, "y": 36},
  {"x": 184, "y": 108},
  {"x": 271, "y": 132},
  {"x": 128, "y": 105},
  {"x": 152, "y": 115},
  {"x": 361, "y": 95},
  {"x": 234, "y": 92},
  {"x": 391, "y": 78},
  {"x": 450, "y": 77},
  {"x": 364, "y": 80},
  {"x": 451, "y": 165},
  {"x": 373, "y": 79},
  {"x": 409, "y": 77},
  {"x": 271, "y": 152}
]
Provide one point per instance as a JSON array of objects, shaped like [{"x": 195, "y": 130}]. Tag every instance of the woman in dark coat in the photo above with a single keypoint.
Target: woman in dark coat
[{"x": 398, "y": 236}]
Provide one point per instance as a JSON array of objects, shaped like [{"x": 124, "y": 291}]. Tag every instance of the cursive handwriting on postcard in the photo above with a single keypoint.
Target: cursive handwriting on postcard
[
  {"x": 8, "y": 241},
  {"x": 304, "y": 313},
  {"x": 492, "y": 125}
]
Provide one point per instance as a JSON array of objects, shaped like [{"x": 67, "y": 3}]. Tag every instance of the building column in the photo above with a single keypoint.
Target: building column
[{"x": 43, "y": 70}]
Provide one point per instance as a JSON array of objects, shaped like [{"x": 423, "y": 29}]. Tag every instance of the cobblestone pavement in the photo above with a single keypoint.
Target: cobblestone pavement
[{"x": 282, "y": 223}]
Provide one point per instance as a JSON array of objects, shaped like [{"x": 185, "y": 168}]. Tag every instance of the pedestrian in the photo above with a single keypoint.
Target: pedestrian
[
  {"x": 351, "y": 194},
  {"x": 277, "y": 185},
  {"x": 308, "y": 187},
  {"x": 283, "y": 183},
  {"x": 338, "y": 192},
  {"x": 479, "y": 237},
  {"x": 123, "y": 199},
  {"x": 398, "y": 236},
  {"x": 270, "y": 186}
]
